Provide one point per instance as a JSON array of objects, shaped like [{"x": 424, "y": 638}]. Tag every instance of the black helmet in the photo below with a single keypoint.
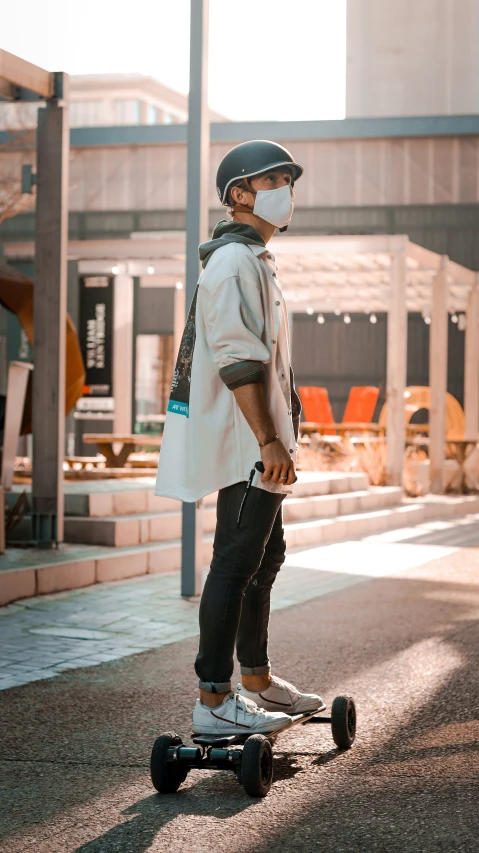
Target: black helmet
[{"x": 252, "y": 158}]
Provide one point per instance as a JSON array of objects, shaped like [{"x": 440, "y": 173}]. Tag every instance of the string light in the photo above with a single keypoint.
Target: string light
[
  {"x": 309, "y": 311},
  {"x": 179, "y": 285},
  {"x": 321, "y": 319},
  {"x": 427, "y": 320},
  {"x": 373, "y": 318},
  {"x": 150, "y": 270},
  {"x": 347, "y": 318},
  {"x": 337, "y": 311},
  {"x": 454, "y": 318},
  {"x": 115, "y": 270}
]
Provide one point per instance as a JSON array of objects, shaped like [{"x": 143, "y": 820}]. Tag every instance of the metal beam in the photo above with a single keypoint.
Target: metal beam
[
  {"x": 50, "y": 296},
  {"x": 19, "y": 72},
  {"x": 196, "y": 232}
]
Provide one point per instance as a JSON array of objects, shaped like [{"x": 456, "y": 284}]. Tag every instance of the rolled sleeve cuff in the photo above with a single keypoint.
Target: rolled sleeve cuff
[{"x": 242, "y": 373}]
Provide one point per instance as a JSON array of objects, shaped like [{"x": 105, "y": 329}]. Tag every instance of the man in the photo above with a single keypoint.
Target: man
[{"x": 233, "y": 399}]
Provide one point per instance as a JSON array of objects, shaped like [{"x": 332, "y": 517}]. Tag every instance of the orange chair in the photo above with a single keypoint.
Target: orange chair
[
  {"x": 316, "y": 406},
  {"x": 361, "y": 405}
]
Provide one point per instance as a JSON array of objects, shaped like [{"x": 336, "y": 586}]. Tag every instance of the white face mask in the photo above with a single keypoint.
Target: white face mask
[{"x": 275, "y": 206}]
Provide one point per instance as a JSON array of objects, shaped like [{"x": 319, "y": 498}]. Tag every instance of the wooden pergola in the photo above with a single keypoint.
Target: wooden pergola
[
  {"x": 23, "y": 81},
  {"x": 388, "y": 273}
]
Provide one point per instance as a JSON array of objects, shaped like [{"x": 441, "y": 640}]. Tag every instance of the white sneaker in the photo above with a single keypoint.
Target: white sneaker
[
  {"x": 282, "y": 696},
  {"x": 236, "y": 715}
]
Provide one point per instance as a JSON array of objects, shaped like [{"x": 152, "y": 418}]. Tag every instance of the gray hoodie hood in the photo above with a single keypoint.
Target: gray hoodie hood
[{"x": 229, "y": 232}]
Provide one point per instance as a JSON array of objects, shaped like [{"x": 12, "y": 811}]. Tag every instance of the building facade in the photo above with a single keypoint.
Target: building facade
[{"x": 412, "y": 58}]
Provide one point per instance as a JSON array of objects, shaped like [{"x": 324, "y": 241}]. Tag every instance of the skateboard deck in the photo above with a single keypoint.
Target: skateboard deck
[{"x": 229, "y": 740}]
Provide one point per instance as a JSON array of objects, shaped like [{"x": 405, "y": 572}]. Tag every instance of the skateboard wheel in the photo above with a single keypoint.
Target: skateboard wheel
[
  {"x": 343, "y": 721},
  {"x": 165, "y": 775},
  {"x": 257, "y": 766}
]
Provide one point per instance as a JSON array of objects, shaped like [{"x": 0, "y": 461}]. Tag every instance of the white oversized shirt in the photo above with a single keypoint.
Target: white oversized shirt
[{"x": 240, "y": 315}]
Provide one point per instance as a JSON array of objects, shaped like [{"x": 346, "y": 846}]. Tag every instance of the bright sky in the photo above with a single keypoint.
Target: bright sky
[{"x": 269, "y": 59}]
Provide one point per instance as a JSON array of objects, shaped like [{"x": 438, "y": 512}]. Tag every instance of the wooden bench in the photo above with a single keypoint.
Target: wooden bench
[
  {"x": 105, "y": 442},
  {"x": 308, "y": 427},
  {"x": 83, "y": 461}
]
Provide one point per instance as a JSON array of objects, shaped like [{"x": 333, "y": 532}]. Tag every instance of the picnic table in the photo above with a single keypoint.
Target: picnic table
[{"x": 129, "y": 443}]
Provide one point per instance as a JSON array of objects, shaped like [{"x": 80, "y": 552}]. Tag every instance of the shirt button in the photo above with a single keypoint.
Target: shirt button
[
  {"x": 277, "y": 303},
  {"x": 273, "y": 342},
  {"x": 269, "y": 257},
  {"x": 273, "y": 274},
  {"x": 291, "y": 451}
]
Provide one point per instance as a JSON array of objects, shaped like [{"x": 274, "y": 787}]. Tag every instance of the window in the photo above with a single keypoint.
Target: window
[
  {"x": 154, "y": 374},
  {"x": 151, "y": 115},
  {"x": 168, "y": 118},
  {"x": 88, "y": 113},
  {"x": 127, "y": 112}
]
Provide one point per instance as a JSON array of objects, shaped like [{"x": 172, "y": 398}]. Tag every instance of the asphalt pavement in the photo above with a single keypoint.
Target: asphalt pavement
[{"x": 74, "y": 749}]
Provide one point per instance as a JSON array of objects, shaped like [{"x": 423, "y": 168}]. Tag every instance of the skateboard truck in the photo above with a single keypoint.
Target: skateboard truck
[{"x": 250, "y": 756}]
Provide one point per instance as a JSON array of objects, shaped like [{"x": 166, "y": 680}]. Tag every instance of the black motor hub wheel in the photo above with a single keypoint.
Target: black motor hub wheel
[
  {"x": 257, "y": 766},
  {"x": 343, "y": 721},
  {"x": 166, "y": 776}
]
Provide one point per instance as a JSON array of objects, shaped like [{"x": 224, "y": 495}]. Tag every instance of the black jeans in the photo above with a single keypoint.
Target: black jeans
[{"x": 235, "y": 604}]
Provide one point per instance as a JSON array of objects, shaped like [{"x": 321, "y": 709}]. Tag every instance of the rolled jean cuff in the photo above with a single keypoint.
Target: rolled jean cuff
[
  {"x": 256, "y": 670},
  {"x": 215, "y": 686}
]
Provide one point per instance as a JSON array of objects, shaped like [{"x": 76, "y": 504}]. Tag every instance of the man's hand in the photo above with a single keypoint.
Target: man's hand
[
  {"x": 274, "y": 456},
  {"x": 278, "y": 465}
]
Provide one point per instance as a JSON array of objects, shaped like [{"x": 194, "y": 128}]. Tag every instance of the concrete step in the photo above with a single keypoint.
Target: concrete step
[
  {"x": 324, "y": 531},
  {"x": 26, "y": 573},
  {"x": 447, "y": 506},
  {"x": 327, "y": 506},
  {"x": 106, "y": 499},
  {"x": 138, "y": 528}
]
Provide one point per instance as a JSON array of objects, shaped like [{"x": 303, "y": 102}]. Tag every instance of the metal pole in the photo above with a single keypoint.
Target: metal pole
[
  {"x": 49, "y": 307},
  {"x": 196, "y": 232}
]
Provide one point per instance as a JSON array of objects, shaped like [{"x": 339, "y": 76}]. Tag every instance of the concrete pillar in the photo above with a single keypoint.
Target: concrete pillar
[
  {"x": 438, "y": 376},
  {"x": 471, "y": 366},
  {"x": 50, "y": 297},
  {"x": 196, "y": 232},
  {"x": 396, "y": 370},
  {"x": 122, "y": 352},
  {"x": 179, "y": 314}
]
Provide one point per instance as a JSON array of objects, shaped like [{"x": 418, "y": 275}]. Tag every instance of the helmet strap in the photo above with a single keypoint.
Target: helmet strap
[{"x": 241, "y": 208}]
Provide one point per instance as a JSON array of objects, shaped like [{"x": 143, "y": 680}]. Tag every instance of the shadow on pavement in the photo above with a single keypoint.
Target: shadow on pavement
[
  {"x": 153, "y": 813},
  {"x": 416, "y": 791}
]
